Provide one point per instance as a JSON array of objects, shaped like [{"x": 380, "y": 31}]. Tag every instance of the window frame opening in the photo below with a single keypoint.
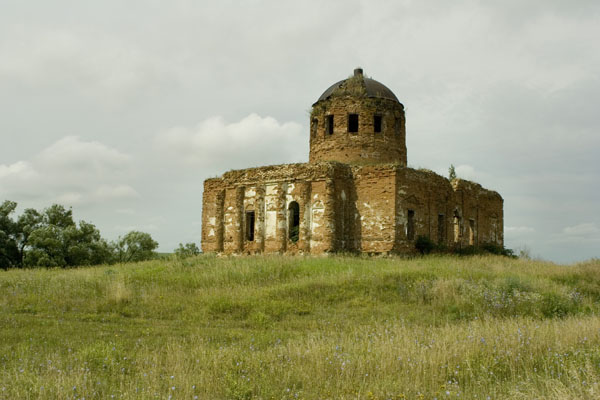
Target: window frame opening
[
  {"x": 494, "y": 229},
  {"x": 456, "y": 224},
  {"x": 353, "y": 123},
  {"x": 329, "y": 124},
  {"x": 377, "y": 123},
  {"x": 314, "y": 127},
  {"x": 250, "y": 219},
  {"x": 294, "y": 221},
  {"x": 410, "y": 224},
  {"x": 471, "y": 232}
]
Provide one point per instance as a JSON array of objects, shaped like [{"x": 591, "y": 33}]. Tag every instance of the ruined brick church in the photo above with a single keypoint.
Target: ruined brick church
[{"x": 355, "y": 194}]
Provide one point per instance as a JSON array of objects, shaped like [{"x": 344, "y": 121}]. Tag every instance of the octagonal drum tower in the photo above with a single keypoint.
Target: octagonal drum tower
[{"x": 360, "y": 121}]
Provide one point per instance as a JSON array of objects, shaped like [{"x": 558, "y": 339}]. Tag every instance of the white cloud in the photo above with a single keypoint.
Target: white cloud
[
  {"x": 586, "y": 229},
  {"x": 518, "y": 230},
  {"x": 70, "y": 171},
  {"x": 217, "y": 144}
]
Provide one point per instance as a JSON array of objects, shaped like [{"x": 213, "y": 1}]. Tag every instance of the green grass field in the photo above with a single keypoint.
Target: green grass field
[{"x": 303, "y": 328}]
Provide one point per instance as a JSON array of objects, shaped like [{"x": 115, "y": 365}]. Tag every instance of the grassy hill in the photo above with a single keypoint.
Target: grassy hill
[{"x": 303, "y": 328}]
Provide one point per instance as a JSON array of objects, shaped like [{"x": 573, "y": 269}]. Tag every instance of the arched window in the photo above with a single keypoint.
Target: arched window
[
  {"x": 313, "y": 127},
  {"x": 352, "y": 123},
  {"x": 294, "y": 221},
  {"x": 456, "y": 221},
  {"x": 250, "y": 226},
  {"x": 329, "y": 124}
]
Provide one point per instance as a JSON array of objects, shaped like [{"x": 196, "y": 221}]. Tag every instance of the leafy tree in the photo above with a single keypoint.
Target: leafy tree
[
  {"x": 51, "y": 238},
  {"x": 8, "y": 231},
  {"x": 49, "y": 242},
  {"x": 59, "y": 216},
  {"x": 135, "y": 246},
  {"x": 451, "y": 172},
  {"x": 27, "y": 223},
  {"x": 189, "y": 250}
]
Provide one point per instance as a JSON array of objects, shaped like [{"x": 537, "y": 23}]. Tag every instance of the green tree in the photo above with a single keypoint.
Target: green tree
[
  {"x": 187, "y": 250},
  {"x": 51, "y": 238},
  {"x": 27, "y": 223},
  {"x": 451, "y": 172},
  {"x": 9, "y": 250},
  {"x": 55, "y": 240},
  {"x": 48, "y": 243},
  {"x": 134, "y": 246}
]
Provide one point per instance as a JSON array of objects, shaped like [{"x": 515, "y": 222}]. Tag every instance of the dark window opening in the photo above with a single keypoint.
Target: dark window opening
[
  {"x": 456, "y": 227},
  {"x": 410, "y": 225},
  {"x": 441, "y": 228},
  {"x": 471, "y": 232},
  {"x": 250, "y": 226},
  {"x": 313, "y": 127},
  {"x": 353, "y": 123},
  {"x": 397, "y": 126},
  {"x": 329, "y": 126},
  {"x": 294, "y": 221},
  {"x": 377, "y": 123}
]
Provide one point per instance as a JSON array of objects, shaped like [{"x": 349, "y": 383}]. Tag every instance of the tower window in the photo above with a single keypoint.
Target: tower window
[
  {"x": 329, "y": 124},
  {"x": 410, "y": 225},
  {"x": 397, "y": 126},
  {"x": 353, "y": 123},
  {"x": 250, "y": 226},
  {"x": 294, "y": 221},
  {"x": 377, "y": 123}
]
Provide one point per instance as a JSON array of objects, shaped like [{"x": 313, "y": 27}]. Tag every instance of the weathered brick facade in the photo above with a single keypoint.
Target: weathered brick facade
[{"x": 355, "y": 193}]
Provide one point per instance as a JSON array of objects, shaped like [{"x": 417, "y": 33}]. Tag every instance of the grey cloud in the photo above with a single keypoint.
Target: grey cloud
[
  {"x": 71, "y": 172},
  {"x": 218, "y": 145}
]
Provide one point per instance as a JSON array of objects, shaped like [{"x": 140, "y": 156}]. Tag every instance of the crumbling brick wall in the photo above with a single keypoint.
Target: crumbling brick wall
[
  {"x": 366, "y": 145},
  {"x": 363, "y": 208}
]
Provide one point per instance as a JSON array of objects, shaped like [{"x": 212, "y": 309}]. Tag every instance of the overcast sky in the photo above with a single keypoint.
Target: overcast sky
[{"x": 121, "y": 109}]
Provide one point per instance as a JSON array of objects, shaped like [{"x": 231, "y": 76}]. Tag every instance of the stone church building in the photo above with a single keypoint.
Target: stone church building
[{"x": 355, "y": 194}]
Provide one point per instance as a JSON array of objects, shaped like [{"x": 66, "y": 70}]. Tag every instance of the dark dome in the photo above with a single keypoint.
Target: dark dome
[{"x": 373, "y": 88}]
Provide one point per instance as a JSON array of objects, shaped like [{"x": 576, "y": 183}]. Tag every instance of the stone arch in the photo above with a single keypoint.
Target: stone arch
[
  {"x": 293, "y": 221},
  {"x": 456, "y": 223}
]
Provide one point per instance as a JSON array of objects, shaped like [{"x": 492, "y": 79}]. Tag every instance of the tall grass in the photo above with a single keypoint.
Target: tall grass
[{"x": 311, "y": 328}]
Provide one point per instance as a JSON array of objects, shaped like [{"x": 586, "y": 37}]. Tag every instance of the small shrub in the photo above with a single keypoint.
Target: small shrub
[
  {"x": 494, "y": 248},
  {"x": 187, "y": 250},
  {"x": 556, "y": 306},
  {"x": 424, "y": 244}
]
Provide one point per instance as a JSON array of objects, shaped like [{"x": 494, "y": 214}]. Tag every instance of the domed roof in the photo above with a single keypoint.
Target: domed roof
[{"x": 372, "y": 87}]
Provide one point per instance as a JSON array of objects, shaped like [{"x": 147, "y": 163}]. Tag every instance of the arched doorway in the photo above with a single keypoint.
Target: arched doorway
[
  {"x": 294, "y": 221},
  {"x": 456, "y": 222}
]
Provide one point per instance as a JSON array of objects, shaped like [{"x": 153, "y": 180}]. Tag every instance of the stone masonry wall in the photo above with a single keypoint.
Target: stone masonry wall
[
  {"x": 374, "y": 207},
  {"x": 363, "y": 208},
  {"x": 364, "y": 146}
]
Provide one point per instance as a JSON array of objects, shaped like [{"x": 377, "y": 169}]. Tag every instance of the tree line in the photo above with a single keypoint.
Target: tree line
[{"x": 51, "y": 238}]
